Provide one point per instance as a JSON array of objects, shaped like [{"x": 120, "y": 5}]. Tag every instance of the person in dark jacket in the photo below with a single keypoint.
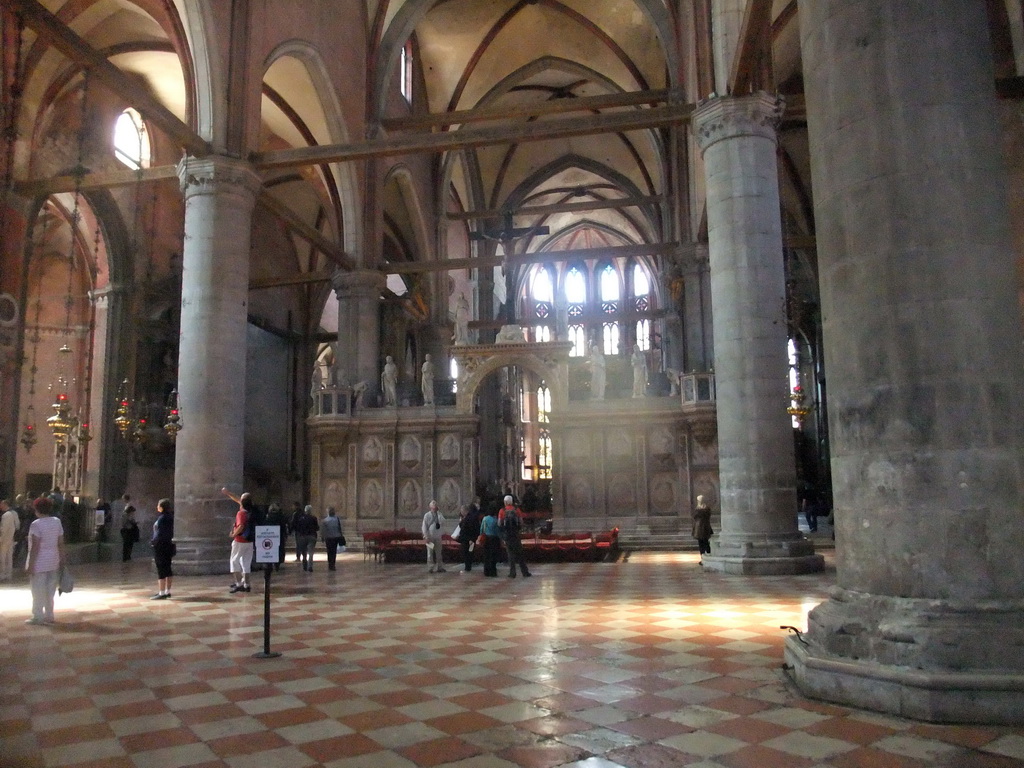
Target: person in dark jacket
[
  {"x": 702, "y": 531},
  {"x": 510, "y": 521},
  {"x": 129, "y": 533},
  {"x": 275, "y": 516},
  {"x": 306, "y": 529},
  {"x": 469, "y": 530},
  {"x": 163, "y": 548}
]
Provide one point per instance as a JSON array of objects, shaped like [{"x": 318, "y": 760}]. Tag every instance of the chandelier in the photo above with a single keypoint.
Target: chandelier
[{"x": 797, "y": 408}]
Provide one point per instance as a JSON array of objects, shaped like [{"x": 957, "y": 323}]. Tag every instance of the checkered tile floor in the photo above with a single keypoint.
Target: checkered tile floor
[{"x": 647, "y": 663}]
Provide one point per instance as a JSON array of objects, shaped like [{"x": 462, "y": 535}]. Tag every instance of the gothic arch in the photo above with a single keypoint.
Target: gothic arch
[
  {"x": 408, "y": 16},
  {"x": 343, "y": 174},
  {"x": 474, "y": 367}
]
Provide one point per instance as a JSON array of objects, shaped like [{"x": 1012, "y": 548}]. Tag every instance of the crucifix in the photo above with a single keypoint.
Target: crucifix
[{"x": 505, "y": 235}]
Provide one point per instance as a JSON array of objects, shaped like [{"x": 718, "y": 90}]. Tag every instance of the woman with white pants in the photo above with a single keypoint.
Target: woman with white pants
[{"x": 45, "y": 558}]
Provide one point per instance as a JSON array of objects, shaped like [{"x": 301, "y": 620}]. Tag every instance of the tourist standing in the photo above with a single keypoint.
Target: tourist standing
[
  {"x": 9, "y": 524},
  {"x": 489, "y": 532},
  {"x": 242, "y": 536},
  {"x": 275, "y": 516},
  {"x": 331, "y": 533},
  {"x": 306, "y": 528},
  {"x": 296, "y": 513},
  {"x": 433, "y": 535},
  {"x": 45, "y": 559},
  {"x": 164, "y": 548},
  {"x": 469, "y": 531},
  {"x": 129, "y": 533},
  {"x": 510, "y": 522},
  {"x": 702, "y": 531}
]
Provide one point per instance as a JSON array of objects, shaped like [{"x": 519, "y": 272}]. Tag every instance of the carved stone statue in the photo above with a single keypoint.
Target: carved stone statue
[
  {"x": 598, "y": 373},
  {"x": 639, "y": 362},
  {"x": 427, "y": 380},
  {"x": 673, "y": 380},
  {"x": 318, "y": 381},
  {"x": 461, "y": 320},
  {"x": 389, "y": 382}
]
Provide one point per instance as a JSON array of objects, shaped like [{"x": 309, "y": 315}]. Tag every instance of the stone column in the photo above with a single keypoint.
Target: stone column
[
  {"x": 103, "y": 391},
  {"x": 923, "y": 343},
  {"x": 358, "y": 349},
  {"x": 726, "y": 27},
  {"x": 757, "y": 470},
  {"x": 219, "y": 197}
]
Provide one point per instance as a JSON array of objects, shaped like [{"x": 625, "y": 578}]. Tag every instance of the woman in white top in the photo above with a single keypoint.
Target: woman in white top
[{"x": 45, "y": 558}]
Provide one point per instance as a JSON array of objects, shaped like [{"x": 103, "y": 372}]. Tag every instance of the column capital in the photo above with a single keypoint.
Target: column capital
[
  {"x": 359, "y": 282},
  {"x": 216, "y": 174},
  {"x": 727, "y": 117}
]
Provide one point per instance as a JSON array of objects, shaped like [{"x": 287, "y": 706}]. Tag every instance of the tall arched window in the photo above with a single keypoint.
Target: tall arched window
[
  {"x": 131, "y": 140},
  {"x": 605, "y": 303},
  {"x": 642, "y": 304},
  {"x": 611, "y": 292},
  {"x": 405, "y": 71},
  {"x": 544, "y": 434},
  {"x": 543, "y": 293},
  {"x": 576, "y": 299}
]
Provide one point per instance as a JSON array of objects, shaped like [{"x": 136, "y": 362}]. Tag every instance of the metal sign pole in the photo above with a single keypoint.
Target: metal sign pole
[{"x": 268, "y": 542}]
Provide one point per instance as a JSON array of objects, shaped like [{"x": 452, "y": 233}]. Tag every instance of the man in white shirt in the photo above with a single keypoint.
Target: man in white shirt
[
  {"x": 432, "y": 533},
  {"x": 9, "y": 523}
]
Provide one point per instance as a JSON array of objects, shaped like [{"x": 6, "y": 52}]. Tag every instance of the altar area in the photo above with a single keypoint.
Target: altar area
[{"x": 636, "y": 464}]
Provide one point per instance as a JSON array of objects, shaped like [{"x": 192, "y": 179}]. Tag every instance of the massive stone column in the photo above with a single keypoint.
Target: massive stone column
[
  {"x": 219, "y": 197},
  {"x": 756, "y": 465},
  {"x": 923, "y": 342},
  {"x": 358, "y": 350},
  {"x": 108, "y": 304}
]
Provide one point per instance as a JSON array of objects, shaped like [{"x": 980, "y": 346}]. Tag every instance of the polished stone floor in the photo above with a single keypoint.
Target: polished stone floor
[{"x": 648, "y": 662}]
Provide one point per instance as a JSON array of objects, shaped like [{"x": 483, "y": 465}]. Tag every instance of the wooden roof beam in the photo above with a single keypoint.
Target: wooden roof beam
[
  {"x": 539, "y": 130},
  {"x": 539, "y": 210},
  {"x": 65, "y": 40},
  {"x": 538, "y": 109},
  {"x": 609, "y": 252}
]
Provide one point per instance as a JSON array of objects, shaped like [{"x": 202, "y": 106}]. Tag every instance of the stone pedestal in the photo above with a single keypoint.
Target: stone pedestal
[
  {"x": 923, "y": 343},
  {"x": 219, "y": 197},
  {"x": 358, "y": 350},
  {"x": 756, "y": 466}
]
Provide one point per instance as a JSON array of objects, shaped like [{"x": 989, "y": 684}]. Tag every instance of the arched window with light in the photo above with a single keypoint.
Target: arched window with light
[
  {"x": 542, "y": 292},
  {"x": 405, "y": 71},
  {"x": 576, "y": 300},
  {"x": 131, "y": 140},
  {"x": 611, "y": 293},
  {"x": 642, "y": 305},
  {"x": 544, "y": 433}
]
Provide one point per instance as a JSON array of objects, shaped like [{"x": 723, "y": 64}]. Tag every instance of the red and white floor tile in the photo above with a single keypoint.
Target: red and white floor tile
[{"x": 649, "y": 663}]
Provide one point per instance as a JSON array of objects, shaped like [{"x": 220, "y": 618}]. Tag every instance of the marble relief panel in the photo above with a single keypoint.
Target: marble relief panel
[
  {"x": 371, "y": 499},
  {"x": 449, "y": 498},
  {"x": 335, "y": 496},
  {"x": 410, "y": 498},
  {"x": 621, "y": 492},
  {"x": 577, "y": 444},
  {"x": 372, "y": 453},
  {"x": 449, "y": 451},
  {"x": 664, "y": 494},
  {"x": 410, "y": 452},
  {"x": 579, "y": 493}
]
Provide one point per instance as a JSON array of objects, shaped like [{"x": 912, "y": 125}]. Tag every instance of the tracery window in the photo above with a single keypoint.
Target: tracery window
[
  {"x": 131, "y": 140},
  {"x": 544, "y": 434},
  {"x": 608, "y": 304}
]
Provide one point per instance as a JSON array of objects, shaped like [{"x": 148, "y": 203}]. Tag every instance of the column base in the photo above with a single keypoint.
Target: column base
[
  {"x": 923, "y": 659},
  {"x": 201, "y": 557},
  {"x": 764, "y": 557}
]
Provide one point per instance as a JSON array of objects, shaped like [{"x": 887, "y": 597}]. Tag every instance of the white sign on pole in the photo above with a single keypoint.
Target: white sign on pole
[{"x": 268, "y": 543}]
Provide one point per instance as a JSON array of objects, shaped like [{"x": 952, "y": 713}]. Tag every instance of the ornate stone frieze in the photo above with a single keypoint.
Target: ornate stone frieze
[{"x": 728, "y": 117}]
